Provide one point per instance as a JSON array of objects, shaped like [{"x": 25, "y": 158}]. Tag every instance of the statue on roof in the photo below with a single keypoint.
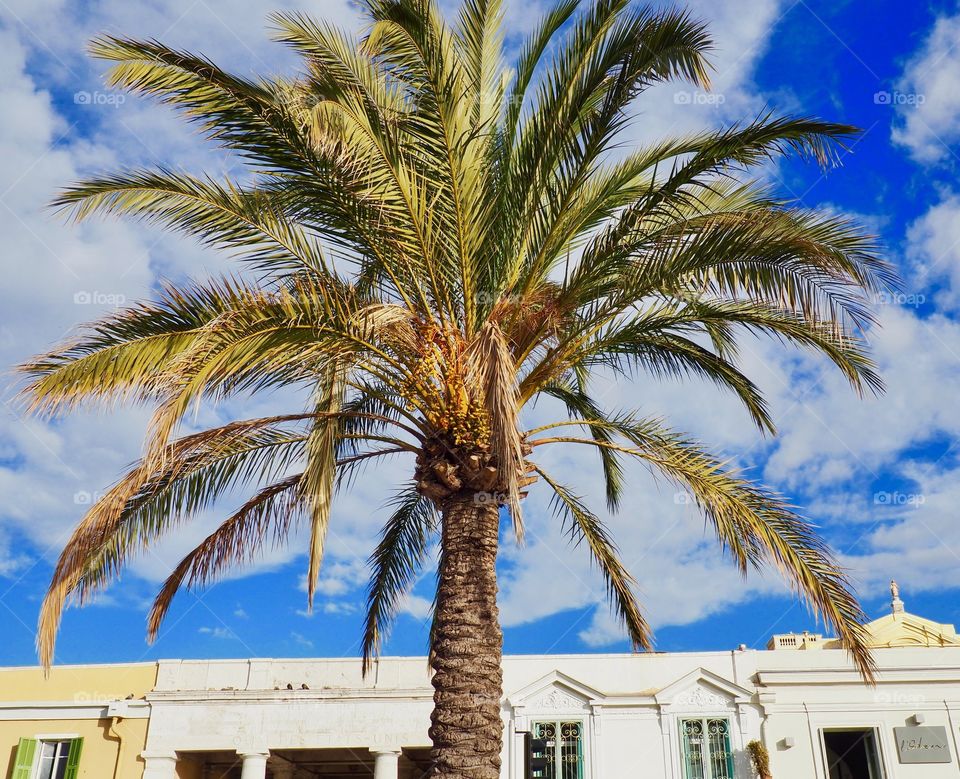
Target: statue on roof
[{"x": 895, "y": 603}]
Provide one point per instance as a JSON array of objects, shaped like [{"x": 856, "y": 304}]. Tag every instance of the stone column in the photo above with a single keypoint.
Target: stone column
[
  {"x": 159, "y": 765},
  {"x": 387, "y": 764},
  {"x": 254, "y": 765}
]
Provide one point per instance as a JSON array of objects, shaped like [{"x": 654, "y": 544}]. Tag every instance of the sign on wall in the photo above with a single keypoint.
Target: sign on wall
[{"x": 922, "y": 745}]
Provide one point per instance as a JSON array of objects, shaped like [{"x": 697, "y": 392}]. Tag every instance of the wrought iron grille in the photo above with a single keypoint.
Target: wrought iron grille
[
  {"x": 706, "y": 749},
  {"x": 564, "y": 748}
]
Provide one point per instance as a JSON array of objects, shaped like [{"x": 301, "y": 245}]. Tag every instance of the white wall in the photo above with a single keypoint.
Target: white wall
[{"x": 630, "y": 705}]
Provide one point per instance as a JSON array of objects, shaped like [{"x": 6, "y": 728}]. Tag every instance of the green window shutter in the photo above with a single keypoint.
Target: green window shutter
[
  {"x": 23, "y": 762},
  {"x": 73, "y": 759}
]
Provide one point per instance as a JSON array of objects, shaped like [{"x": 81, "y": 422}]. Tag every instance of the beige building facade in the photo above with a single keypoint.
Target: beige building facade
[
  {"x": 644, "y": 716},
  {"x": 80, "y": 721}
]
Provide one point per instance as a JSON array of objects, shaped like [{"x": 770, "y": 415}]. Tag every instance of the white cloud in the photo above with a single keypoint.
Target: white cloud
[
  {"x": 928, "y": 109},
  {"x": 913, "y": 537},
  {"x": 12, "y": 562},
  {"x": 222, "y": 633},
  {"x": 301, "y": 640},
  {"x": 416, "y": 606},
  {"x": 340, "y": 608},
  {"x": 829, "y": 437},
  {"x": 741, "y": 31},
  {"x": 136, "y": 132},
  {"x": 934, "y": 255}
]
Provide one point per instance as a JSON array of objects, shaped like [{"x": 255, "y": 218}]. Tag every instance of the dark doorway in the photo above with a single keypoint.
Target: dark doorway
[{"x": 852, "y": 754}]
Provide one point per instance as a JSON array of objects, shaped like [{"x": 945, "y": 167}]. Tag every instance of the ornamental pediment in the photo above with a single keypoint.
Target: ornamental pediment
[
  {"x": 702, "y": 690},
  {"x": 555, "y": 692}
]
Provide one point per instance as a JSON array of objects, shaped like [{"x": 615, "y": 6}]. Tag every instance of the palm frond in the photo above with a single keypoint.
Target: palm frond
[
  {"x": 250, "y": 223},
  {"x": 753, "y": 524},
  {"x": 430, "y": 242},
  {"x": 584, "y": 526},
  {"x": 239, "y": 540},
  {"x": 394, "y": 564}
]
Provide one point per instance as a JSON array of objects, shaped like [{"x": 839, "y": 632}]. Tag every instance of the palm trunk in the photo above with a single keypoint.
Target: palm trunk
[{"x": 466, "y": 729}]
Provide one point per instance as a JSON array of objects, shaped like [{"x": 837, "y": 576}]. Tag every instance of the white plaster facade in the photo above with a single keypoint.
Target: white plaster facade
[
  {"x": 632, "y": 714},
  {"x": 630, "y": 707}
]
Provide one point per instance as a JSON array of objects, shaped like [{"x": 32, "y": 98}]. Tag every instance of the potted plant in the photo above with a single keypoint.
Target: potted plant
[{"x": 760, "y": 759}]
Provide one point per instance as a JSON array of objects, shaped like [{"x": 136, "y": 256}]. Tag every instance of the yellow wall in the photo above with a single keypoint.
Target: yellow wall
[
  {"x": 104, "y": 740},
  {"x": 189, "y": 769},
  {"x": 78, "y": 683}
]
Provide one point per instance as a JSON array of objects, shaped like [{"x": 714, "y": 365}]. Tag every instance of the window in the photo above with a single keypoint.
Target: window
[
  {"x": 47, "y": 758},
  {"x": 52, "y": 760},
  {"x": 706, "y": 748},
  {"x": 564, "y": 748},
  {"x": 852, "y": 754}
]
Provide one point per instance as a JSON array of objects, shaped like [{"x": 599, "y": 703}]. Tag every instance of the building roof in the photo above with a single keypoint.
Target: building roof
[{"x": 899, "y": 628}]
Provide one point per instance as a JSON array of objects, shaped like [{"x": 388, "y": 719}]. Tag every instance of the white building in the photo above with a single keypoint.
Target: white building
[{"x": 675, "y": 716}]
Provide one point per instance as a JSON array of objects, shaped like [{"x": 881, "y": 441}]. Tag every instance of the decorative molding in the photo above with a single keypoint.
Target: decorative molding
[
  {"x": 700, "y": 698},
  {"x": 557, "y": 699},
  {"x": 576, "y": 694},
  {"x": 67, "y": 710},
  {"x": 821, "y": 676},
  {"x": 700, "y": 690},
  {"x": 340, "y": 695}
]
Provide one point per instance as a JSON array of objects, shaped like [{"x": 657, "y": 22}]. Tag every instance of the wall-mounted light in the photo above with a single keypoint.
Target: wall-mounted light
[
  {"x": 788, "y": 742},
  {"x": 919, "y": 718}
]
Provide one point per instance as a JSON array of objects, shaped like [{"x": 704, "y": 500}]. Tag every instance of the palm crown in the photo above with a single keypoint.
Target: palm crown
[{"x": 430, "y": 243}]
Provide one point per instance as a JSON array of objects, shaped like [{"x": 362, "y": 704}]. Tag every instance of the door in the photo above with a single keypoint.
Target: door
[
  {"x": 706, "y": 748},
  {"x": 852, "y": 754}
]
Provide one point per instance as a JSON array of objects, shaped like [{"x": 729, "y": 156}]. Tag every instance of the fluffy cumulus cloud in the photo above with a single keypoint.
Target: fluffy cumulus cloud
[
  {"x": 934, "y": 253},
  {"x": 926, "y": 97},
  {"x": 832, "y": 444}
]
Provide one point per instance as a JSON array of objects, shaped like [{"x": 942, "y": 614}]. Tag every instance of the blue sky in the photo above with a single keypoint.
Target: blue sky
[{"x": 878, "y": 475}]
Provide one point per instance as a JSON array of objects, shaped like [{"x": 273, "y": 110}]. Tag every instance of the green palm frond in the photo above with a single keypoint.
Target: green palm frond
[
  {"x": 237, "y": 541},
  {"x": 394, "y": 564},
  {"x": 430, "y": 241},
  {"x": 753, "y": 524},
  {"x": 585, "y": 527},
  {"x": 249, "y": 222}
]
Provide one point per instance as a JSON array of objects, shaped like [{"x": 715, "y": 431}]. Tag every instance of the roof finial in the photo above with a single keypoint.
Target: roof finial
[{"x": 895, "y": 603}]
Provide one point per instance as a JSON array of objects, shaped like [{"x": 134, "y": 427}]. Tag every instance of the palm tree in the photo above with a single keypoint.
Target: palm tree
[{"x": 431, "y": 242}]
